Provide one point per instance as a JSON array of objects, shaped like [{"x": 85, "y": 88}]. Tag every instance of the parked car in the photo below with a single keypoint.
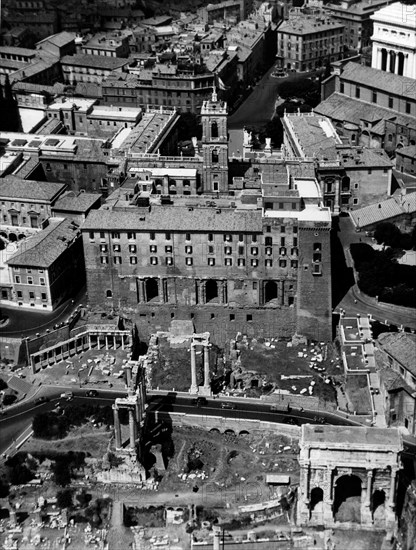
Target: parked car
[
  {"x": 42, "y": 399},
  {"x": 227, "y": 405},
  {"x": 200, "y": 401},
  {"x": 92, "y": 393}
]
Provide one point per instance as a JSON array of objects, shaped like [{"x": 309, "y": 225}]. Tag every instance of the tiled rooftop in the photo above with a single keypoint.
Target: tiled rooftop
[
  {"x": 12, "y": 187},
  {"x": 43, "y": 248},
  {"x": 384, "y": 210},
  {"x": 346, "y": 109},
  {"x": 94, "y": 61},
  {"x": 79, "y": 203},
  {"x": 175, "y": 218},
  {"x": 384, "y": 81},
  {"x": 302, "y": 24},
  {"x": 401, "y": 346}
]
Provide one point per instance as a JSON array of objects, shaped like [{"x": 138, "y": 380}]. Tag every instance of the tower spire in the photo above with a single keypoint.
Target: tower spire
[{"x": 214, "y": 97}]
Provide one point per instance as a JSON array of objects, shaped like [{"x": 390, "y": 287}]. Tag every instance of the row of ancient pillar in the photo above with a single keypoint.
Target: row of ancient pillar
[
  {"x": 207, "y": 378},
  {"x": 75, "y": 345}
]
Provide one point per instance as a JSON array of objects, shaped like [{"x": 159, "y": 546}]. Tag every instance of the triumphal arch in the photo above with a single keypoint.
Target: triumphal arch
[{"x": 348, "y": 475}]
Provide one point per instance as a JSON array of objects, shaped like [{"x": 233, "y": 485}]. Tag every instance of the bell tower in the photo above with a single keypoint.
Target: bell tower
[{"x": 214, "y": 145}]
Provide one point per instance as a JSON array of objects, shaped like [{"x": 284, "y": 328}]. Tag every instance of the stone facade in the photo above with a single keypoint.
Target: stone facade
[{"x": 359, "y": 465}]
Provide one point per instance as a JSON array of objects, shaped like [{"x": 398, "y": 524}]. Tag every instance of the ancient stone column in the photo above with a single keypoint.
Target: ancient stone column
[
  {"x": 117, "y": 429},
  {"x": 207, "y": 379},
  {"x": 369, "y": 487},
  {"x": 194, "y": 387},
  {"x": 392, "y": 488},
  {"x": 132, "y": 429},
  {"x": 127, "y": 369}
]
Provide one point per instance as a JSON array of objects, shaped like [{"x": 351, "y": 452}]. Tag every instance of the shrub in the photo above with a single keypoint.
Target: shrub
[{"x": 8, "y": 399}]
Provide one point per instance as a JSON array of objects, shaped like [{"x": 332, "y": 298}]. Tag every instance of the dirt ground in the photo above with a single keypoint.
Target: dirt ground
[
  {"x": 87, "y": 438},
  {"x": 232, "y": 467},
  {"x": 274, "y": 361}
]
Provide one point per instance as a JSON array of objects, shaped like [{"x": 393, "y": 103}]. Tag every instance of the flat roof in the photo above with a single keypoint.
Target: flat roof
[
  {"x": 354, "y": 437},
  {"x": 81, "y": 103}
]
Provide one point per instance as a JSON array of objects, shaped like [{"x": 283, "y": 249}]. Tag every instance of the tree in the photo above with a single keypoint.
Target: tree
[
  {"x": 3, "y": 384},
  {"x": 61, "y": 473},
  {"x": 388, "y": 234},
  {"x": 9, "y": 398},
  {"x": 20, "y": 474},
  {"x": 64, "y": 498}
]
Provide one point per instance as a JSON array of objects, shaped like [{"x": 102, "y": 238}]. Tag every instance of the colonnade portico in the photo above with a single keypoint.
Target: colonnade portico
[
  {"x": 200, "y": 340},
  {"x": 340, "y": 463},
  {"x": 93, "y": 337}
]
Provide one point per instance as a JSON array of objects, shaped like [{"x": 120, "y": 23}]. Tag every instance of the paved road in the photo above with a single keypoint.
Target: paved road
[
  {"x": 24, "y": 322},
  {"x": 355, "y": 302},
  {"x": 258, "y": 108},
  {"x": 19, "y": 416}
]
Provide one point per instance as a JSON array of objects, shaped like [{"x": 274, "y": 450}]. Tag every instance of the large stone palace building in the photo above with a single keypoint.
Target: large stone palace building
[{"x": 234, "y": 244}]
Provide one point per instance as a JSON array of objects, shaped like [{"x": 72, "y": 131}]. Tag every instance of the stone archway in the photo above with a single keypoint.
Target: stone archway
[
  {"x": 378, "y": 501},
  {"x": 12, "y": 237},
  {"x": 316, "y": 504},
  {"x": 347, "y": 499}
]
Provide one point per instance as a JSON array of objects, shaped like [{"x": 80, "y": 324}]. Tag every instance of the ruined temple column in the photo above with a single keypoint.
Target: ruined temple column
[
  {"x": 106, "y": 342},
  {"x": 392, "y": 488},
  {"x": 127, "y": 369},
  {"x": 117, "y": 429},
  {"x": 122, "y": 341},
  {"x": 207, "y": 379},
  {"x": 89, "y": 341},
  {"x": 132, "y": 429},
  {"x": 98, "y": 341},
  {"x": 194, "y": 387}
]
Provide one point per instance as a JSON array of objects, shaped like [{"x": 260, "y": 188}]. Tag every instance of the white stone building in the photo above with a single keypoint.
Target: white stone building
[{"x": 394, "y": 39}]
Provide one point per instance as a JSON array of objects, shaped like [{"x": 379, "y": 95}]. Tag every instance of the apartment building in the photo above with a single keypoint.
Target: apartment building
[
  {"x": 46, "y": 268},
  {"x": 355, "y": 15},
  {"x": 308, "y": 40}
]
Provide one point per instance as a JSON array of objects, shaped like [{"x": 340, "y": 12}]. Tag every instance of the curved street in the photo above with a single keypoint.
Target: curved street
[
  {"x": 355, "y": 301},
  {"x": 17, "y": 417}
]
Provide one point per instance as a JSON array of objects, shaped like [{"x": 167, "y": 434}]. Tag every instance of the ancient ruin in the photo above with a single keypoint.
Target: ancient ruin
[{"x": 348, "y": 475}]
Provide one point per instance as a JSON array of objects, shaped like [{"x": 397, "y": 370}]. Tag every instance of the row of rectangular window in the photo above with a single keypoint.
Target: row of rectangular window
[
  {"x": 228, "y": 237},
  {"x": 188, "y": 249},
  {"x": 241, "y": 262},
  {"x": 28, "y": 270},
  {"x": 32, "y": 295},
  {"x": 29, "y": 281}
]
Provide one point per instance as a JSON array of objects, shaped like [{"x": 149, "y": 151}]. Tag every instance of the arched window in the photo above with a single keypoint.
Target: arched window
[
  {"x": 214, "y": 129},
  {"x": 109, "y": 293}
]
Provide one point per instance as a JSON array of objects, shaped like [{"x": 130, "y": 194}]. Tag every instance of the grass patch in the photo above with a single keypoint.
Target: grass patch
[{"x": 359, "y": 395}]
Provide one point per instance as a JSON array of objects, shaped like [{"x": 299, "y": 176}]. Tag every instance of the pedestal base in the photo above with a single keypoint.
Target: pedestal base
[
  {"x": 205, "y": 390},
  {"x": 193, "y": 389}
]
